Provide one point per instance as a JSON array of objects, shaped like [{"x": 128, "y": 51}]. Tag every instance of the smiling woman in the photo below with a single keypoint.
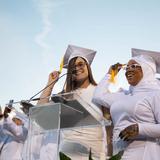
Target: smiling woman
[
  {"x": 135, "y": 116},
  {"x": 133, "y": 72},
  {"x": 79, "y": 79},
  {"x": 79, "y": 74}
]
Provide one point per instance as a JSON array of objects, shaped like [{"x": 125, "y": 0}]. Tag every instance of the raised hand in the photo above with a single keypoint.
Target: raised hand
[
  {"x": 116, "y": 67},
  {"x": 53, "y": 76}
]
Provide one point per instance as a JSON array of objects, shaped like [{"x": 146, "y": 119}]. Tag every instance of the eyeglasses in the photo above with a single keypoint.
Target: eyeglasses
[
  {"x": 80, "y": 65},
  {"x": 132, "y": 67}
]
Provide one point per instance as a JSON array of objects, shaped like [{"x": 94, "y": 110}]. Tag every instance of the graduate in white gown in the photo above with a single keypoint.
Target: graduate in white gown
[
  {"x": 135, "y": 113},
  {"x": 13, "y": 135},
  {"x": 79, "y": 79}
]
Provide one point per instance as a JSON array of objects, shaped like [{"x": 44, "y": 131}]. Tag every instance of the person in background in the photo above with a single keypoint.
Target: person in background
[
  {"x": 13, "y": 134},
  {"x": 135, "y": 115},
  {"x": 79, "y": 79}
]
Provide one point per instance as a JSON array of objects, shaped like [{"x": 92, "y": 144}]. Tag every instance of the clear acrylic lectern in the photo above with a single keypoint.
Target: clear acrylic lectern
[{"x": 63, "y": 126}]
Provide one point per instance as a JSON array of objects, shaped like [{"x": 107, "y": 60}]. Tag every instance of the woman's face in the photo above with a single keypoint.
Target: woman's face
[
  {"x": 80, "y": 70},
  {"x": 133, "y": 73}
]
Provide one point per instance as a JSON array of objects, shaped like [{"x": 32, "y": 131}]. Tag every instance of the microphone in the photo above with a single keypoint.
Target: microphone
[{"x": 26, "y": 106}]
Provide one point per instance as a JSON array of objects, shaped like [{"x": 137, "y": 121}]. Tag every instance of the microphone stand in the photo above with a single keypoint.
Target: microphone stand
[
  {"x": 36, "y": 99},
  {"x": 73, "y": 71},
  {"x": 31, "y": 99}
]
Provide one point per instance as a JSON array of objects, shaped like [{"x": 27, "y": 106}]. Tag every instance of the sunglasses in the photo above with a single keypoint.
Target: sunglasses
[{"x": 132, "y": 67}]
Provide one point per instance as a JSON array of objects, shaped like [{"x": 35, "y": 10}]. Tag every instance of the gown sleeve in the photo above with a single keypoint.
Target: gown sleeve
[
  {"x": 151, "y": 129},
  {"x": 102, "y": 96},
  {"x": 20, "y": 132}
]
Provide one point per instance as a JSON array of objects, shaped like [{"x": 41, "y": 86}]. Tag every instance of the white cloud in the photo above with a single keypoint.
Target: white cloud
[{"x": 46, "y": 8}]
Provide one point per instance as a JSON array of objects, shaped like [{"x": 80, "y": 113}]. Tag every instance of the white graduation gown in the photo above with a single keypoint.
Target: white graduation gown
[
  {"x": 127, "y": 109},
  {"x": 94, "y": 138}
]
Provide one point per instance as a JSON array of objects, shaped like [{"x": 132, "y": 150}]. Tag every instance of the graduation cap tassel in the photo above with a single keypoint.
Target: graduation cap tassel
[
  {"x": 112, "y": 79},
  {"x": 61, "y": 65},
  {"x": 115, "y": 69}
]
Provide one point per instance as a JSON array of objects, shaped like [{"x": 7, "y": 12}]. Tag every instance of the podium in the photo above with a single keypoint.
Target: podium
[{"x": 64, "y": 126}]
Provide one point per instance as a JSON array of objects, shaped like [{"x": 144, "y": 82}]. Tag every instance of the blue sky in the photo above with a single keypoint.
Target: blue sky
[{"x": 34, "y": 35}]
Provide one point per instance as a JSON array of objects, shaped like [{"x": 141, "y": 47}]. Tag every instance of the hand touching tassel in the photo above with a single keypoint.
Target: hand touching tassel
[{"x": 114, "y": 69}]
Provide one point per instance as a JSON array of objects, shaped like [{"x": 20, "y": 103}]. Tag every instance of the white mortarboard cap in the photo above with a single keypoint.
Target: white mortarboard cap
[
  {"x": 155, "y": 56},
  {"x": 75, "y": 51}
]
